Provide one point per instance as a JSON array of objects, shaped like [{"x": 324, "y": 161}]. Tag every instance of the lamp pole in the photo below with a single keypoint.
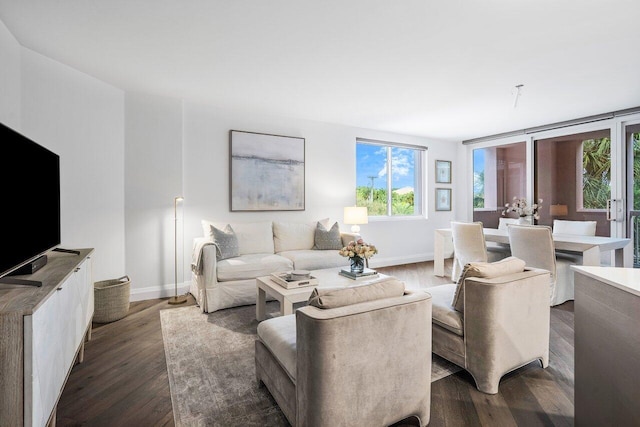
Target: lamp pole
[{"x": 182, "y": 298}]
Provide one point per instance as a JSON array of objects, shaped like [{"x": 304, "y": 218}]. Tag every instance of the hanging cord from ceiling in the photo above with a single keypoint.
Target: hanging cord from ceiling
[{"x": 516, "y": 94}]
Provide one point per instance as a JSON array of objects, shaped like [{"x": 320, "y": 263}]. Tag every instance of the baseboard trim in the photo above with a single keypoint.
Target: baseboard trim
[{"x": 155, "y": 292}]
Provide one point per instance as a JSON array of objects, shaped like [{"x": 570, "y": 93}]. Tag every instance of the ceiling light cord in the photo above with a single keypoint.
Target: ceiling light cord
[{"x": 516, "y": 95}]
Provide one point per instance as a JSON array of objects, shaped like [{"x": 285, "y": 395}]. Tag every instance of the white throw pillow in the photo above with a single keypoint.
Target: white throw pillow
[
  {"x": 294, "y": 236},
  {"x": 206, "y": 227}
]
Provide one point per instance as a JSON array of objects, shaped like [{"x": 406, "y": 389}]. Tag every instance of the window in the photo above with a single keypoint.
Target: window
[
  {"x": 595, "y": 170},
  {"x": 389, "y": 178}
]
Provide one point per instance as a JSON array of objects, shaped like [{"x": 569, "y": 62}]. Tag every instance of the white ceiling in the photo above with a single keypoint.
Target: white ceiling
[{"x": 443, "y": 69}]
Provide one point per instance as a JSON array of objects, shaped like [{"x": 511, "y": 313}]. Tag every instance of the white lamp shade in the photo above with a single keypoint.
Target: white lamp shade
[{"x": 356, "y": 215}]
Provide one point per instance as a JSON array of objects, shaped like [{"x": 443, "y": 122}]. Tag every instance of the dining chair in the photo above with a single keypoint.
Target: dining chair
[
  {"x": 581, "y": 228},
  {"x": 497, "y": 251},
  {"x": 577, "y": 228},
  {"x": 534, "y": 245},
  {"x": 469, "y": 245},
  {"x": 505, "y": 222}
]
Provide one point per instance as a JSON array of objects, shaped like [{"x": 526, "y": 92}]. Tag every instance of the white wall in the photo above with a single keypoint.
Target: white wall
[
  {"x": 153, "y": 178},
  {"x": 82, "y": 120},
  {"x": 9, "y": 79},
  {"x": 463, "y": 173},
  {"x": 330, "y": 178},
  {"x": 183, "y": 148}
]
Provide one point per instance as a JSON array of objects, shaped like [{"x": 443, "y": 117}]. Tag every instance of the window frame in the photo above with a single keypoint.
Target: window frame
[{"x": 419, "y": 170}]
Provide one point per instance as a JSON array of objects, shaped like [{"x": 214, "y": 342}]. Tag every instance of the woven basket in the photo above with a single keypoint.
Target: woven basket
[{"x": 111, "y": 299}]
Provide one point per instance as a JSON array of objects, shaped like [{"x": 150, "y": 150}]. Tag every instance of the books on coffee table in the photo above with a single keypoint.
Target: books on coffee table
[{"x": 367, "y": 272}]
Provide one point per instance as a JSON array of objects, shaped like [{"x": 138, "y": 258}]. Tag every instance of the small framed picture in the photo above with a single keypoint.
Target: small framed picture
[
  {"x": 443, "y": 199},
  {"x": 443, "y": 171}
]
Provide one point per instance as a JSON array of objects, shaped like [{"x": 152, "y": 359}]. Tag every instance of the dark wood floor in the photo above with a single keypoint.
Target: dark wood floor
[{"x": 123, "y": 380}]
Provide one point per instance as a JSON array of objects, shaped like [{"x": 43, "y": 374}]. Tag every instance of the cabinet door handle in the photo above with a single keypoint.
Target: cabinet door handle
[
  {"x": 59, "y": 289},
  {"x": 76, "y": 270}
]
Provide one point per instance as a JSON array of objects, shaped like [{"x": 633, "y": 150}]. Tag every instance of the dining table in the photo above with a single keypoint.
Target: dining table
[{"x": 590, "y": 247}]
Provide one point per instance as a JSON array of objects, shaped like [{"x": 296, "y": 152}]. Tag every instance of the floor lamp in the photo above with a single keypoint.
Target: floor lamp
[{"x": 176, "y": 299}]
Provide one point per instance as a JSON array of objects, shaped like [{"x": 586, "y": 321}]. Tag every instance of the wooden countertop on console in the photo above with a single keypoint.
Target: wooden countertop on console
[{"x": 26, "y": 299}]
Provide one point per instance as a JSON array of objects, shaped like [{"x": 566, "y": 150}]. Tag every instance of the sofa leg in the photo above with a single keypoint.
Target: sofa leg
[{"x": 544, "y": 361}]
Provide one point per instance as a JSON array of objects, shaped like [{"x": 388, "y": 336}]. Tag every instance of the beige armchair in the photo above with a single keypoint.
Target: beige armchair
[
  {"x": 503, "y": 325},
  {"x": 364, "y": 364}
]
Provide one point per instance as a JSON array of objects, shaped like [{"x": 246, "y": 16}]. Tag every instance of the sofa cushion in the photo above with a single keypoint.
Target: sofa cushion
[
  {"x": 444, "y": 315},
  {"x": 313, "y": 259},
  {"x": 225, "y": 241},
  {"x": 293, "y": 236},
  {"x": 340, "y": 297},
  {"x": 253, "y": 237},
  {"x": 251, "y": 266},
  {"x": 486, "y": 270},
  {"x": 278, "y": 334},
  {"x": 327, "y": 239}
]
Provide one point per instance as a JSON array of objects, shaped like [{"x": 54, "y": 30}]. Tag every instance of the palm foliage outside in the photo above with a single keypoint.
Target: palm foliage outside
[
  {"x": 636, "y": 171},
  {"x": 478, "y": 190},
  {"x": 375, "y": 199},
  {"x": 596, "y": 173}
]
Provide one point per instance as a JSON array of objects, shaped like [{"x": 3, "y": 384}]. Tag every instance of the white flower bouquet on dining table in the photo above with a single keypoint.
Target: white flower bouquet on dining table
[{"x": 522, "y": 208}]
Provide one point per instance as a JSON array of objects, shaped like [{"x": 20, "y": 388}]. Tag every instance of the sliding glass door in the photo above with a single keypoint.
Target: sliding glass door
[
  {"x": 632, "y": 139},
  {"x": 499, "y": 175},
  {"x": 573, "y": 178}
]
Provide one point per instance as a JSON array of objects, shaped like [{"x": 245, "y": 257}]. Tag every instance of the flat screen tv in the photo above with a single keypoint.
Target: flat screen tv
[{"x": 30, "y": 190}]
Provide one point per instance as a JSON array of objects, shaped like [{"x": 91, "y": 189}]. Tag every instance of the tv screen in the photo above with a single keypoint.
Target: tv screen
[{"x": 30, "y": 184}]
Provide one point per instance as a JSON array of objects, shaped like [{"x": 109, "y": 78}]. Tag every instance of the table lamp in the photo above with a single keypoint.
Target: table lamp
[
  {"x": 558, "y": 210},
  {"x": 354, "y": 216}
]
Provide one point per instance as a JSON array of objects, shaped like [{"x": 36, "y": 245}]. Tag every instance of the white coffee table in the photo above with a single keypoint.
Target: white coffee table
[{"x": 327, "y": 278}]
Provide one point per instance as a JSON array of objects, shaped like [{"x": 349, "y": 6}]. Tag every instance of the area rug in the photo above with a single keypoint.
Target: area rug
[{"x": 211, "y": 367}]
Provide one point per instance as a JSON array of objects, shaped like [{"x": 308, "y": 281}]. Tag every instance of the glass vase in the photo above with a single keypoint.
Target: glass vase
[
  {"x": 357, "y": 264},
  {"x": 524, "y": 220}
]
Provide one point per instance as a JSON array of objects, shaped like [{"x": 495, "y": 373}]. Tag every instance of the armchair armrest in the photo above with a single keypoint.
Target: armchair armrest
[
  {"x": 506, "y": 324},
  {"x": 375, "y": 346}
]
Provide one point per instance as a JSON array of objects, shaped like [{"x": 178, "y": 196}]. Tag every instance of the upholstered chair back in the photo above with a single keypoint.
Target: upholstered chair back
[
  {"x": 582, "y": 228},
  {"x": 372, "y": 350},
  {"x": 468, "y": 242},
  {"x": 505, "y": 222},
  {"x": 534, "y": 245}
]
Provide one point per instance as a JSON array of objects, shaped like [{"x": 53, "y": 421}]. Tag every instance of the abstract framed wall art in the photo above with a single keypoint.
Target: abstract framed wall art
[
  {"x": 267, "y": 172},
  {"x": 443, "y": 199},
  {"x": 443, "y": 172}
]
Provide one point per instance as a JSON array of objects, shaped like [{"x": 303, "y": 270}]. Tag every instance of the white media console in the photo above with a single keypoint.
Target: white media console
[{"x": 42, "y": 335}]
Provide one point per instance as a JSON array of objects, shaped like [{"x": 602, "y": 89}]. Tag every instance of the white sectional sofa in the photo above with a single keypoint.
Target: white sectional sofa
[{"x": 264, "y": 247}]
